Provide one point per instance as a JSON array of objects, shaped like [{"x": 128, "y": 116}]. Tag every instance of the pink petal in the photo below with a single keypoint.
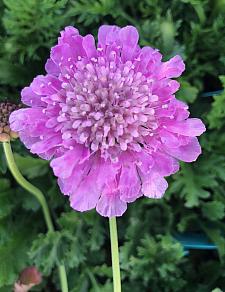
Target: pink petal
[
  {"x": 128, "y": 39},
  {"x": 89, "y": 46},
  {"x": 46, "y": 144},
  {"x": 129, "y": 183},
  {"x": 52, "y": 68},
  {"x": 86, "y": 195},
  {"x": 146, "y": 56},
  {"x": 30, "y": 98},
  {"x": 77, "y": 46},
  {"x": 69, "y": 185},
  {"x": 188, "y": 152},
  {"x": 154, "y": 186},
  {"x": 164, "y": 164},
  {"x": 190, "y": 127},
  {"x": 63, "y": 166},
  {"x": 21, "y": 119},
  {"x": 172, "y": 68},
  {"x": 45, "y": 85},
  {"x": 110, "y": 205},
  {"x": 85, "y": 198},
  {"x": 144, "y": 161},
  {"x": 107, "y": 34},
  {"x": 27, "y": 140},
  {"x": 62, "y": 54},
  {"x": 181, "y": 109},
  {"x": 67, "y": 35},
  {"x": 170, "y": 140}
]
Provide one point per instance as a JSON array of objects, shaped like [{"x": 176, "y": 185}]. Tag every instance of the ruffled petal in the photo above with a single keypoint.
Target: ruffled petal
[
  {"x": 128, "y": 37},
  {"x": 190, "y": 127},
  {"x": 86, "y": 195},
  {"x": 165, "y": 164},
  {"x": 172, "y": 68},
  {"x": 89, "y": 46},
  {"x": 30, "y": 98},
  {"x": 63, "y": 166},
  {"x": 51, "y": 142},
  {"x": 170, "y": 140},
  {"x": 52, "y": 68},
  {"x": 146, "y": 57},
  {"x": 180, "y": 109},
  {"x": 67, "y": 34},
  {"x": 45, "y": 85},
  {"x": 110, "y": 204},
  {"x": 144, "y": 161},
  {"x": 154, "y": 185},
  {"x": 69, "y": 185},
  {"x": 20, "y": 120},
  {"x": 63, "y": 55},
  {"x": 27, "y": 140},
  {"x": 107, "y": 35},
  {"x": 129, "y": 183},
  {"x": 188, "y": 152}
]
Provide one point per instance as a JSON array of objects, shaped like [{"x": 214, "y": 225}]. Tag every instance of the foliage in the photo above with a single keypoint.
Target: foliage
[
  {"x": 151, "y": 259},
  {"x": 217, "y": 114},
  {"x": 159, "y": 256}
]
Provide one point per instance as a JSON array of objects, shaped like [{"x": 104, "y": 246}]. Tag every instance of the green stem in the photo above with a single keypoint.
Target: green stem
[
  {"x": 115, "y": 254},
  {"x": 63, "y": 278},
  {"x": 40, "y": 197}
]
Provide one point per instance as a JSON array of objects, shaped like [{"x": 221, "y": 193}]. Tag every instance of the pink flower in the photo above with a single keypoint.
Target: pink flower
[{"x": 109, "y": 119}]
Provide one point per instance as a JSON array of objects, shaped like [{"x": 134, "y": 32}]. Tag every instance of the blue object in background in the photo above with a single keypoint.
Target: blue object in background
[
  {"x": 193, "y": 241},
  {"x": 212, "y": 93}
]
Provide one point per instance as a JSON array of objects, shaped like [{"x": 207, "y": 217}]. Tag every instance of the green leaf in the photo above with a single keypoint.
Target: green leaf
[
  {"x": 89, "y": 11},
  {"x": 216, "y": 117},
  {"x": 13, "y": 258},
  {"x": 214, "y": 210},
  {"x": 217, "y": 237},
  {"x": 11, "y": 72},
  {"x": 190, "y": 186},
  {"x": 185, "y": 221},
  {"x": 45, "y": 251},
  {"x": 51, "y": 249},
  {"x": 5, "y": 184},
  {"x": 31, "y": 167},
  {"x": 187, "y": 92},
  {"x": 162, "y": 252},
  {"x": 6, "y": 198}
]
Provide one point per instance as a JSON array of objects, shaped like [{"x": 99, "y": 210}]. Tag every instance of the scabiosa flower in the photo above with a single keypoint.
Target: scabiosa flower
[{"x": 109, "y": 118}]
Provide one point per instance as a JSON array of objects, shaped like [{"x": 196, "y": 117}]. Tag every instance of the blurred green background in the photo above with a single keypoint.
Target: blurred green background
[{"x": 151, "y": 259}]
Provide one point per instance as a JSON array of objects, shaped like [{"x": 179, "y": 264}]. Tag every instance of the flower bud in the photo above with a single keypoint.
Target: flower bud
[
  {"x": 28, "y": 278},
  {"x": 6, "y": 134}
]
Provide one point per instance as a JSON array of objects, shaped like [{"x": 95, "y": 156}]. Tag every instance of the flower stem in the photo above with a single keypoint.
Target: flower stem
[
  {"x": 40, "y": 197},
  {"x": 63, "y": 278},
  {"x": 115, "y": 254}
]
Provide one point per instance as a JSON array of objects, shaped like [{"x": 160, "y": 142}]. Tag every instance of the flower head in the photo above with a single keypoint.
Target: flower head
[
  {"x": 109, "y": 118},
  {"x": 6, "y": 134}
]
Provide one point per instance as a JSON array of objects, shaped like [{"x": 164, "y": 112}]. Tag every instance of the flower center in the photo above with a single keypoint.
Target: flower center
[{"x": 108, "y": 105}]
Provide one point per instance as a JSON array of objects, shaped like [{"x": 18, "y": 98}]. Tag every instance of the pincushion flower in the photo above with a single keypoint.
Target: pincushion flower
[{"x": 108, "y": 118}]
